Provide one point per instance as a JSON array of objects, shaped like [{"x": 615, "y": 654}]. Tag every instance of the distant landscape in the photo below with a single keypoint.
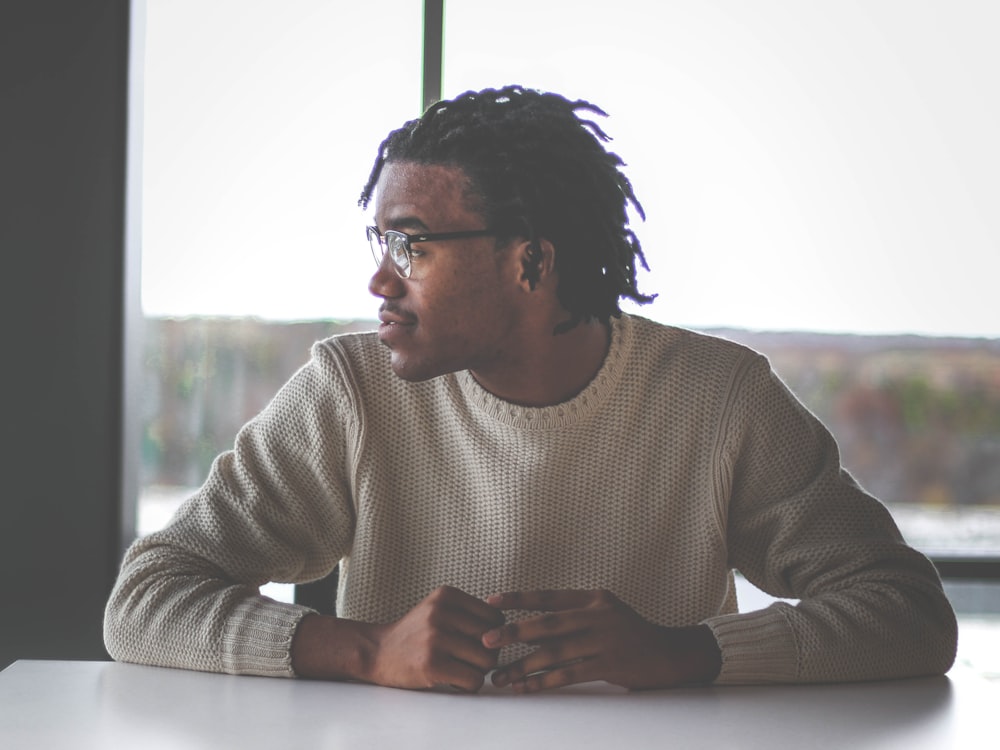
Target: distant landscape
[{"x": 917, "y": 418}]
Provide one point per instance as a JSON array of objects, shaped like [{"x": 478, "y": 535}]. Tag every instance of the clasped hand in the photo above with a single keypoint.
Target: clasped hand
[
  {"x": 582, "y": 636},
  {"x": 451, "y": 639}
]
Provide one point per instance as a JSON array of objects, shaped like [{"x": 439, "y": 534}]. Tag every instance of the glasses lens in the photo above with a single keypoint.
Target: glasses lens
[
  {"x": 376, "y": 243},
  {"x": 396, "y": 243}
]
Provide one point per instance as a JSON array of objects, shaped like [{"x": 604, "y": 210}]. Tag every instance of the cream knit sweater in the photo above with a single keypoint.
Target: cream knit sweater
[{"x": 685, "y": 458}]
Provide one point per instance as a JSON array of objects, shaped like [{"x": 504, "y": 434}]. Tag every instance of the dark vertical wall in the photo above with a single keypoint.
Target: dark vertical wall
[{"x": 63, "y": 84}]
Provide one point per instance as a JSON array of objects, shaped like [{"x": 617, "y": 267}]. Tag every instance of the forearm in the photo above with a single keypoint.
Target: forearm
[
  {"x": 874, "y": 630},
  {"x": 172, "y": 608},
  {"x": 873, "y": 619},
  {"x": 333, "y": 648},
  {"x": 695, "y": 654},
  {"x": 680, "y": 656},
  {"x": 202, "y": 624}
]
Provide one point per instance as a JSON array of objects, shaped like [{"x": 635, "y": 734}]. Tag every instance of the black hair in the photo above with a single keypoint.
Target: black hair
[{"x": 537, "y": 171}]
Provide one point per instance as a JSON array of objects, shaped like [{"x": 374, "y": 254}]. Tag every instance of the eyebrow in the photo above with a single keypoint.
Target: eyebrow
[{"x": 407, "y": 222}]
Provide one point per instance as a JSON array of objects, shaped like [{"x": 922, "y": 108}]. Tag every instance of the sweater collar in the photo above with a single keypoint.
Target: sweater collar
[{"x": 578, "y": 408}]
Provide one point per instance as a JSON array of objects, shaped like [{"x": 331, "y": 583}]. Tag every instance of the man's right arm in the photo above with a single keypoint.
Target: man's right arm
[{"x": 275, "y": 508}]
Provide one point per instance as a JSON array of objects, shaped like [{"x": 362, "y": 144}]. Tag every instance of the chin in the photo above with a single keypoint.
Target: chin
[
  {"x": 416, "y": 370},
  {"x": 412, "y": 372}
]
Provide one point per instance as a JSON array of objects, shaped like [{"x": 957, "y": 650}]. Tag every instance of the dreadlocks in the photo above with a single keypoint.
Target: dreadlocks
[{"x": 537, "y": 171}]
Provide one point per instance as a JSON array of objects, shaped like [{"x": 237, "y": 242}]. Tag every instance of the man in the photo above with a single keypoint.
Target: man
[{"x": 516, "y": 477}]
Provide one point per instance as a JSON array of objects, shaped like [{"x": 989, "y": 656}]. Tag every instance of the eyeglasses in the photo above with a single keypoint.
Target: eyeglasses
[{"x": 398, "y": 245}]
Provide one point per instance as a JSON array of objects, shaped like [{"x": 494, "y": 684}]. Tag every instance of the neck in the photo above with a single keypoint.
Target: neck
[{"x": 554, "y": 371}]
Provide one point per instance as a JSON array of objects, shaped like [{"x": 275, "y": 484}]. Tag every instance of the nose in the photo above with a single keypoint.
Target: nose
[{"x": 385, "y": 282}]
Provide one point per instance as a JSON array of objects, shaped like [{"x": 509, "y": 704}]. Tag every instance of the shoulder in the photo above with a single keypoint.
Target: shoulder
[
  {"x": 362, "y": 363},
  {"x": 353, "y": 351},
  {"x": 671, "y": 349},
  {"x": 331, "y": 375}
]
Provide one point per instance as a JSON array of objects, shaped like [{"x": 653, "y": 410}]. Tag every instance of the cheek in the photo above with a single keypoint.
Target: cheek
[
  {"x": 464, "y": 302},
  {"x": 463, "y": 293},
  {"x": 481, "y": 307}
]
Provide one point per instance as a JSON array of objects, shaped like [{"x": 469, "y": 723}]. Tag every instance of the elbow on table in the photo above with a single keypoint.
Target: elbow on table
[
  {"x": 943, "y": 657},
  {"x": 933, "y": 641},
  {"x": 118, "y": 631}
]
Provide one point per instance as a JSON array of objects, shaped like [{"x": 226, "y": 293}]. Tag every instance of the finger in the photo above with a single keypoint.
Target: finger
[
  {"x": 560, "y": 676},
  {"x": 549, "y": 600},
  {"x": 459, "y": 621},
  {"x": 537, "y": 628},
  {"x": 545, "y": 659},
  {"x": 460, "y": 648},
  {"x": 456, "y": 600},
  {"x": 460, "y": 676}
]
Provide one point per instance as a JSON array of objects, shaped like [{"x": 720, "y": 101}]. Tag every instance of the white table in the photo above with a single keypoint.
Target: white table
[{"x": 51, "y": 705}]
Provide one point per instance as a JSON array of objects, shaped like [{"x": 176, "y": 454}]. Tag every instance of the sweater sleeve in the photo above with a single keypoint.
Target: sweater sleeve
[
  {"x": 275, "y": 508},
  {"x": 799, "y": 527}
]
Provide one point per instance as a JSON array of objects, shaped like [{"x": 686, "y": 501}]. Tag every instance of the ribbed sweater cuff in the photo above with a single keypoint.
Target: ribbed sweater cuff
[
  {"x": 756, "y": 647},
  {"x": 257, "y": 639}
]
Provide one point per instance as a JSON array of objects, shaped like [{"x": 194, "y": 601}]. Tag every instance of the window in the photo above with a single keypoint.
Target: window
[
  {"x": 261, "y": 121},
  {"x": 814, "y": 171},
  {"x": 819, "y": 183}
]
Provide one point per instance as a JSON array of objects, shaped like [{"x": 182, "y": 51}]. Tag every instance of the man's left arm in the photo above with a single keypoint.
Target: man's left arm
[{"x": 799, "y": 527}]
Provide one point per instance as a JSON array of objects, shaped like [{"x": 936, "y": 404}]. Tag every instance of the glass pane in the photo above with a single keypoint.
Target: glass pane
[
  {"x": 827, "y": 172},
  {"x": 261, "y": 123},
  {"x": 262, "y": 120}
]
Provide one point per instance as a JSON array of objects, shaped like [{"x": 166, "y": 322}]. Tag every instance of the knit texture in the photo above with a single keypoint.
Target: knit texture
[{"x": 684, "y": 458}]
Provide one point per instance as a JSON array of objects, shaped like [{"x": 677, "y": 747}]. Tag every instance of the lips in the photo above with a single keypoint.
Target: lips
[
  {"x": 388, "y": 316},
  {"x": 393, "y": 323}
]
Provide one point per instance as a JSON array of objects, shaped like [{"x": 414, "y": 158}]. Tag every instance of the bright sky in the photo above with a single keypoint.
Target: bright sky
[{"x": 804, "y": 166}]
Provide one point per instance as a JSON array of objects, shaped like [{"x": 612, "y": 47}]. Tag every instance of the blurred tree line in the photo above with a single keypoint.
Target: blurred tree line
[
  {"x": 204, "y": 378},
  {"x": 917, "y": 419}
]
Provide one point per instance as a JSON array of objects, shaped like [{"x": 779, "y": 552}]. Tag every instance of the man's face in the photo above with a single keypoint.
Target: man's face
[{"x": 458, "y": 309}]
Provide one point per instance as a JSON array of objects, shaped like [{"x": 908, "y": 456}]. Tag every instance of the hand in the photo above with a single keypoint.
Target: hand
[
  {"x": 437, "y": 644},
  {"x": 593, "y": 635}
]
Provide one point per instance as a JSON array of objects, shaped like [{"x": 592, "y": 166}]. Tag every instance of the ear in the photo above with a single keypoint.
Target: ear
[{"x": 537, "y": 264}]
